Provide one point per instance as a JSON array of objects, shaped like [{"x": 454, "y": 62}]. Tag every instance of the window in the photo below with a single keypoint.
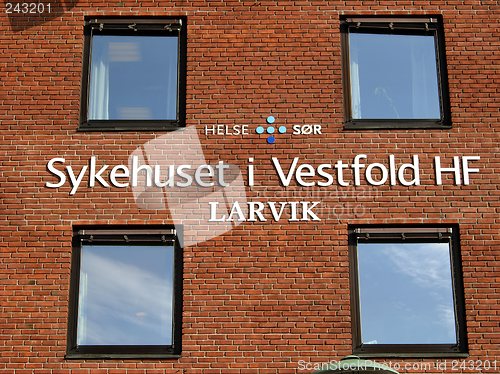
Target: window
[
  {"x": 134, "y": 74},
  {"x": 394, "y": 73},
  {"x": 407, "y": 291},
  {"x": 126, "y": 293}
]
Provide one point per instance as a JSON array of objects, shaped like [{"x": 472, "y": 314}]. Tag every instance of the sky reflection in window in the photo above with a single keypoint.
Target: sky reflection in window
[
  {"x": 125, "y": 295},
  {"x": 133, "y": 78},
  {"x": 406, "y": 293},
  {"x": 393, "y": 76}
]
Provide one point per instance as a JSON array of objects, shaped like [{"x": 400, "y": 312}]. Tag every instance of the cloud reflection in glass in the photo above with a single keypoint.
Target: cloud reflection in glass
[
  {"x": 125, "y": 295},
  {"x": 406, "y": 293}
]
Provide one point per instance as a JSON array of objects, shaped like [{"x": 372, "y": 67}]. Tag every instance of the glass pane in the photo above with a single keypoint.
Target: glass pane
[
  {"x": 133, "y": 77},
  {"x": 393, "y": 76},
  {"x": 126, "y": 295},
  {"x": 406, "y": 293}
]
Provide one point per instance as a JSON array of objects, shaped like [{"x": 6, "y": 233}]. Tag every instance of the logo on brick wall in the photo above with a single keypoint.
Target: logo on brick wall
[{"x": 271, "y": 130}]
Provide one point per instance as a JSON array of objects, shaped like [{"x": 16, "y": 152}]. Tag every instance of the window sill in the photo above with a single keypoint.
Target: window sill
[
  {"x": 410, "y": 355},
  {"x": 104, "y": 356},
  {"x": 378, "y": 124},
  {"x": 410, "y": 350},
  {"x": 130, "y": 125}
]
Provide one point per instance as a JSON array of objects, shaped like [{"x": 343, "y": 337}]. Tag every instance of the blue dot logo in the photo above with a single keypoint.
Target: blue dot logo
[{"x": 270, "y": 129}]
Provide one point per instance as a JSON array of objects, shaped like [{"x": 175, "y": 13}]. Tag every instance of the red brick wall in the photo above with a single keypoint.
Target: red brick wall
[{"x": 265, "y": 295}]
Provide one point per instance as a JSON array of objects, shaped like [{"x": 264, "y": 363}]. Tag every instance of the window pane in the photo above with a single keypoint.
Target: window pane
[
  {"x": 393, "y": 76},
  {"x": 406, "y": 293},
  {"x": 125, "y": 295},
  {"x": 133, "y": 77}
]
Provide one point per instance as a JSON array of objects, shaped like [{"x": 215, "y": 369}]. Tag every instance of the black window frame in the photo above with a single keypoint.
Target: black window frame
[
  {"x": 152, "y": 235},
  {"x": 411, "y": 234},
  {"x": 401, "y": 25},
  {"x": 135, "y": 26}
]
